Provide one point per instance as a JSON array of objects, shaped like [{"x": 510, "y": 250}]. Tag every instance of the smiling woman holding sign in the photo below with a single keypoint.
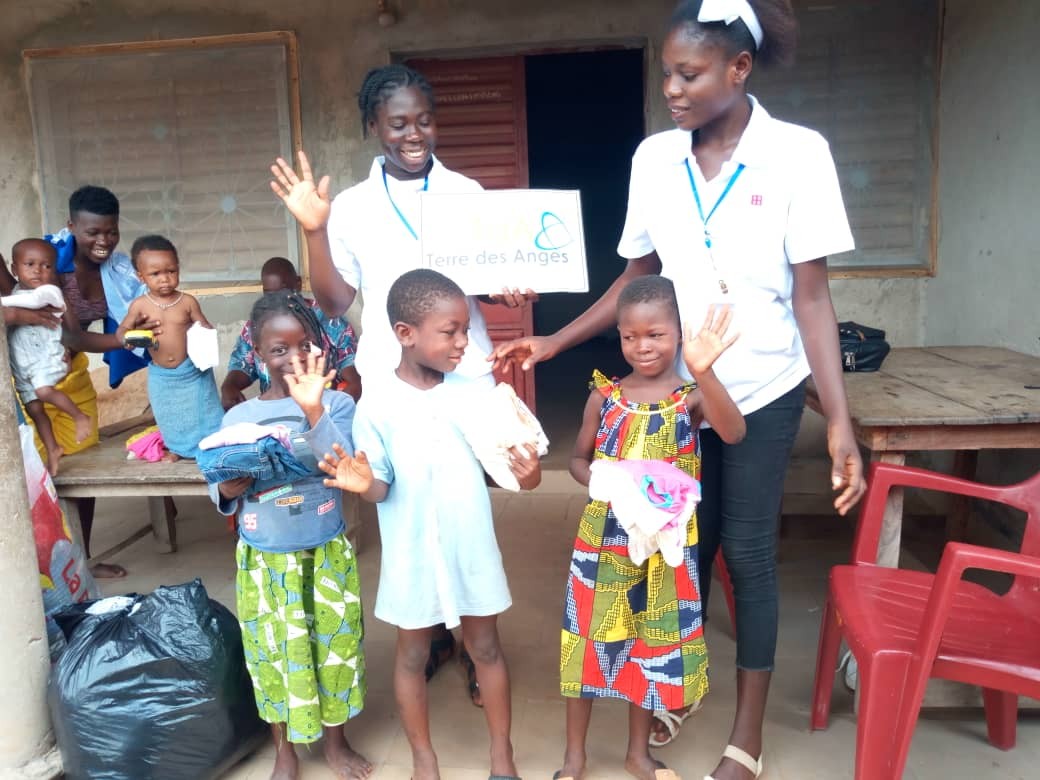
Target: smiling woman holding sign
[
  {"x": 741, "y": 209},
  {"x": 369, "y": 235}
]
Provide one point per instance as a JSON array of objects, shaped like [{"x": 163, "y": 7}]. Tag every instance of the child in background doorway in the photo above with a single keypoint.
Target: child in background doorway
[
  {"x": 298, "y": 588},
  {"x": 634, "y": 631},
  {"x": 440, "y": 558},
  {"x": 39, "y": 361},
  {"x": 183, "y": 398},
  {"x": 338, "y": 342}
]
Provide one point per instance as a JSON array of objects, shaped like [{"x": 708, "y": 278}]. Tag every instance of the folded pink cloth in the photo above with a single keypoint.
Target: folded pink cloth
[
  {"x": 148, "y": 447},
  {"x": 246, "y": 433},
  {"x": 652, "y": 500}
]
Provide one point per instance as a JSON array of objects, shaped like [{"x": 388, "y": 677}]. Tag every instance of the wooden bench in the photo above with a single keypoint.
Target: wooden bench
[{"x": 105, "y": 472}]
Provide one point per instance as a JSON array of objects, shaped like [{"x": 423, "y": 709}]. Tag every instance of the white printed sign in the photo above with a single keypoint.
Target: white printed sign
[{"x": 484, "y": 241}]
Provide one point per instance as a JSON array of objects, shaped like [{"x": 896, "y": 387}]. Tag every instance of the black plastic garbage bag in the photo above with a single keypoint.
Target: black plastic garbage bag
[{"x": 155, "y": 689}]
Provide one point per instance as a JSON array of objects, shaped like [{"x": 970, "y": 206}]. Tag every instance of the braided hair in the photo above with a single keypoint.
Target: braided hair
[
  {"x": 380, "y": 83},
  {"x": 285, "y": 302},
  {"x": 779, "y": 30}
]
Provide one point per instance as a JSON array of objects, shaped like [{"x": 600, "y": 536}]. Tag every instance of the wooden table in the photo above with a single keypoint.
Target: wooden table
[{"x": 963, "y": 399}]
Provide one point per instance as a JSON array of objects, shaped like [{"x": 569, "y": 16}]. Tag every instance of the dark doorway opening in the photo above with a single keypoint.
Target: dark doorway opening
[{"x": 585, "y": 117}]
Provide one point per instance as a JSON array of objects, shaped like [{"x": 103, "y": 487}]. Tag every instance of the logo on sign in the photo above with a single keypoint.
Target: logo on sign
[{"x": 554, "y": 233}]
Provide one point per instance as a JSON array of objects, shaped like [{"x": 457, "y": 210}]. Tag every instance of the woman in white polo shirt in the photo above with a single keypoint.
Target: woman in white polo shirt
[
  {"x": 369, "y": 236},
  {"x": 742, "y": 209}
]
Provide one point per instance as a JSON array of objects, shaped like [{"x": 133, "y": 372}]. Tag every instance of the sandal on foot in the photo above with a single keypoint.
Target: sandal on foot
[
  {"x": 664, "y": 773},
  {"x": 742, "y": 757},
  {"x": 471, "y": 678},
  {"x": 502, "y": 777},
  {"x": 672, "y": 722},
  {"x": 441, "y": 650}
]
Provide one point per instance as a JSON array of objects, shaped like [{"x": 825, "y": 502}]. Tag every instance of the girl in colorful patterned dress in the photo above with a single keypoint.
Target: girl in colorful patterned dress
[
  {"x": 631, "y": 631},
  {"x": 298, "y": 588}
]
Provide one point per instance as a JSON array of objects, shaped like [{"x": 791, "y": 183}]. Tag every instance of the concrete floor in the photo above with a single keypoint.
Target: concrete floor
[{"x": 535, "y": 533}]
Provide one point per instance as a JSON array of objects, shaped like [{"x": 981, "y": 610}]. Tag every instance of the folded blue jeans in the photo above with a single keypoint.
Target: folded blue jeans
[{"x": 266, "y": 460}]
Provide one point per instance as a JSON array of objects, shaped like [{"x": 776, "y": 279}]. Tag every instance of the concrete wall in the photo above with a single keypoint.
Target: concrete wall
[
  {"x": 339, "y": 41},
  {"x": 988, "y": 278},
  {"x": 989, "y": 261}
]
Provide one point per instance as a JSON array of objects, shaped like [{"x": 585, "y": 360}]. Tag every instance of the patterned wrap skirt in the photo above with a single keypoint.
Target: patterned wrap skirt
[{"x": 302, "y": 631}]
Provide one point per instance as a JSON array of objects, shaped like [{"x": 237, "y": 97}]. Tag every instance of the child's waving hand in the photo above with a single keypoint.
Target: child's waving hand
[
  {"x": 307, "y": 381},
  {"x": 702, "y": 349},
  {"x": 353, "y": 474},
  {"x": 308, "y": 203}
]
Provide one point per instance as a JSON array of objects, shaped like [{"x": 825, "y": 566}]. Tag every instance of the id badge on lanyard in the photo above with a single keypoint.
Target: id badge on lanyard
[{"x": 723, "y": 293}]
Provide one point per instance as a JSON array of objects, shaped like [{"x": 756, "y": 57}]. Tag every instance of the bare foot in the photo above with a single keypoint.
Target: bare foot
[
  {"x": 286, "y": 765},
  {"x": 347, "y": 763},
  {"x": 570, "y": 770},
  {"x": 424, "y": 766},
  {"x": 108, "y": 571},
  {"x": 502, "y": 764},
  {"x": 53, "y": 459},
  {"x": 170, "y": 457},
  {"x": 84, "y": 427}
]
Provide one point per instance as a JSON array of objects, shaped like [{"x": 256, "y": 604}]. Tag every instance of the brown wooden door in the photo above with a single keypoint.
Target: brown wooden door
[{"x": 482, "y": 133}]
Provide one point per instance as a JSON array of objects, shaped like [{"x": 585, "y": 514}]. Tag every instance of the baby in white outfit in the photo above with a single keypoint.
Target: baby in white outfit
[{"x": 39, "y": 361}]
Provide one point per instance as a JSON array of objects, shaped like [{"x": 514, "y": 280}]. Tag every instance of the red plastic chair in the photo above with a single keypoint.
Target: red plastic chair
[{"x": 904, "y": 627}]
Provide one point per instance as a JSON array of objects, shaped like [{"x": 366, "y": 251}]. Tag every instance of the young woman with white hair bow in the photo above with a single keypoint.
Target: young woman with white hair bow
[{"x": 738, "y": 209}]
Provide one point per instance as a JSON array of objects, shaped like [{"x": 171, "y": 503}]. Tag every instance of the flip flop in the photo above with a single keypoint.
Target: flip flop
[
  {"x": 559, "y": 775},
  {"x": 672, "y": 722},
  {"x": 664, "y": 773},
  {"x": 742, "y": 757}
]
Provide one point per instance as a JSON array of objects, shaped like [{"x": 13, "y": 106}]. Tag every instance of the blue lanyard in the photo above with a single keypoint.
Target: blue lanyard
[
  {"x": 722, "y": 197},
  {"x": 407, "y": 224}
]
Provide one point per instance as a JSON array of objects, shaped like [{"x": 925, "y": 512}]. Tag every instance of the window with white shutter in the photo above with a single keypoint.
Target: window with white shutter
[
  {"x": 867, "y": 78},
  {"x": 183, "y": 132}
]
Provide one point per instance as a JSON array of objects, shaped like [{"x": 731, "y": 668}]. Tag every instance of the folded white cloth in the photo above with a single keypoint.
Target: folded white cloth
[
  {"x": 44, "y": 295},
  {"x": 202, "y": 346},
  {"x": 246, "y": 433},
  {"x": 494, "y": 421}
]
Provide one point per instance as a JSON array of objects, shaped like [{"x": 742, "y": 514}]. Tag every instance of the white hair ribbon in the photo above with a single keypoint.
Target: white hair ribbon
[{"x": 728, "y": 11}]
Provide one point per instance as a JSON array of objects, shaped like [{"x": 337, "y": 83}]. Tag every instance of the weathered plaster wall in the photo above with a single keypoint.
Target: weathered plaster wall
[
  {"x": 987, "y": 288},
  {"x": 989, "y": 261},
  {"x": 339, "y": 41}
]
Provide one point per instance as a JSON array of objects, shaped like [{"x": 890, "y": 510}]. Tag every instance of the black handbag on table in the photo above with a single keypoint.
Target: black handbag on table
[{"x": 862, "y": 348}]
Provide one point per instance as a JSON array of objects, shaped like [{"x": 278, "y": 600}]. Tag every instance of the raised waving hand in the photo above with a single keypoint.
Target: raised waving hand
[
  {"x": 308, "y": 202},
  {"x": 702, "y": 348}
]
